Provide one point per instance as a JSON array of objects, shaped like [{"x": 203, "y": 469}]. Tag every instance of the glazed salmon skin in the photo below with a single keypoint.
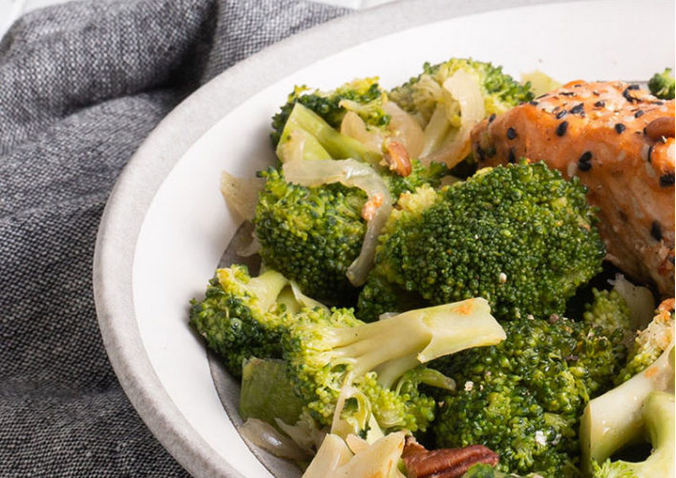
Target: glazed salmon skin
[{"x": 619, "y": 140}]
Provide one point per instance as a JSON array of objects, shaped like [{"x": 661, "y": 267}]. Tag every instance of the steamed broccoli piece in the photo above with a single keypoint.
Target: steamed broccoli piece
[
  {"x": 662, "y": 84},
  {"x": 522, "y": 398},
  {"x": 363, "y": 96},
  {"x": 374, "y": 367},
  {"x": 313, "y": 234},
  {"x": 609, "y": 311},
  {"x": 655, "y": 422},
  {"x": 422, "y": 96},
  {"x": 518, "y": 235},
  {"x": 650, "y": 342}
]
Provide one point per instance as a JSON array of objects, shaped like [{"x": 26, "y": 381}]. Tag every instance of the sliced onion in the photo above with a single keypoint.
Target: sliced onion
[
  {"x": 241, "y": 194},
  {"x": 267, "y": 437},
  {"x": 354, "y": 127},
  {"x": 464, "y": 89},
  {"x": 351, "y": 173},
  {"x": 305, "y": 433},
  {"x": 405, "y": 128}
]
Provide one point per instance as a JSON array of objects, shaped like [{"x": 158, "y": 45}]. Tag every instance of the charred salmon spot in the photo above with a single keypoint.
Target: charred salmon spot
[
  {"x": 491, "y": 118},
  {"x": 584, "y": 163},
  {"x": 578, "y": 109},
  {"x": 600, "y": 104},
  {"x": 656, "y": 231},
  {"x": 619, "y": 128},
  {"x": 667, "y": 180},
  {"x": 623, "y": 216},
  {"x": 511, "y": 157},
  {"x": 511, "y": 133},
  {"x": 561, "y": 128},
  {"x": 638, "y": 114},
  {"x": 561, "y": 114}
]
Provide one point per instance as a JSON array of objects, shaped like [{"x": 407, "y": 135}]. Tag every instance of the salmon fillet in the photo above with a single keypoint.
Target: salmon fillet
[{"x": 619, "y": 140}]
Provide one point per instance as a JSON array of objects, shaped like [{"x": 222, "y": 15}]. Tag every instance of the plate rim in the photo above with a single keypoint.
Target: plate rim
[{"x": 146, "y": 170}]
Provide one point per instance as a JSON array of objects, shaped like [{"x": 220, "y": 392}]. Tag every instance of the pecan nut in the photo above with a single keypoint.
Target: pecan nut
[
  {"x": 445, "y": 462},
  {"x": 660, "y": 128},
  {"x": 397, "y": 158}
]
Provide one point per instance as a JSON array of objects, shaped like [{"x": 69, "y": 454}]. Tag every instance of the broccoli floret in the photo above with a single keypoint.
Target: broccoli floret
[
  {"x": 242, "y": 317},
  {"x": 650, "y": 342},
  {"x": 519, "y": 235},
  {"x": 311, "y": 235},
  {"x": 654, "y": 422},
  {"x": 363, "y": 96},
  {"x": 609, "y": 310},
  {"x": 372, "y": 368},
  {"x": 522, "y": 397},
  {"x": 662, "y": 84}
]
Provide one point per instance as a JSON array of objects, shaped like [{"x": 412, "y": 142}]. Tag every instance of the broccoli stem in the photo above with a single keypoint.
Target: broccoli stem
[
  {"x": 337, "y": 145},
  {"x": 614, "y": 420},
  {"x": 395, "y": 345},
  {"x": 658, "y": 413}
]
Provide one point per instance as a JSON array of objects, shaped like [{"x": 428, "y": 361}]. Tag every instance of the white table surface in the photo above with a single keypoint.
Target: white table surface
[{"x": 10, "y": 10}]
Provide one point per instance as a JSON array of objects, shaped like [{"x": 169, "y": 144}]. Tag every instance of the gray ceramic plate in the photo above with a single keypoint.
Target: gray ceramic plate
[{"x": 166, "y": 227}]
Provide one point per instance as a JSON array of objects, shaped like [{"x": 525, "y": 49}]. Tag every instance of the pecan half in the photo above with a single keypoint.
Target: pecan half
[
  {"x": 446, "y": 462},
  {"x": 397, "y": 158},
  {"x": 660, "y": 127}
]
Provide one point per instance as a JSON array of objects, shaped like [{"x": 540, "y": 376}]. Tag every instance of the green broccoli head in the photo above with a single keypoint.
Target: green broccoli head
[
  {"x": 363, "y": 96},
  {"x": 522, "y": 397},
  {"x": 519, "y": 236},
  {"x": 650, "y": 342},
  {"x": 662, "y": 84},
  {"x": 373, "y": 370},
  {"x": 311, "y": 235},
  {"x": 240, "y": 316},
  {"x": 419, "y": 96},
  {"x": 609, "y": 311}
]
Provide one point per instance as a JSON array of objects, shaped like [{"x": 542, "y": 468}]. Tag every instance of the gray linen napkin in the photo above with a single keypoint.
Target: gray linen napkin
[{"x": 81, "y": 85}]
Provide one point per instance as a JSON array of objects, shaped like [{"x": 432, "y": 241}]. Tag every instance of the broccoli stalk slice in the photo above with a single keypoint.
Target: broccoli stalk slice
[
  {"x": 657, "y": 417},
  {"x": 614, "y": 420},
  {"x": 337, "y": 145},
  {"x": 395, "y": 345},
  {"x": 297, "y": 143}
]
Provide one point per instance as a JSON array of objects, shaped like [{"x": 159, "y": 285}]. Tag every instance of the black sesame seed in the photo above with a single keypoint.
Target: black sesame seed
[
  {"x": 627, "y": 96},
  {"x": 667, "y": 180},
  {"x": 511, "y": 157},
  {"x": 577, "y": 109},
  {"x": 561, "y": 114},
  {"x": 633, "y": 86},
  {"x": 657, "y": 102},
  {"x": 638, "y": 114},
  {"x": 596, "y": 93},
  {"x": 650, "y": 153},
  {"x": 671, "y": 259},
  {"x": 544, "y": 95},
  {"x": 480, "y": 153},
  {"x": 511, "y": 133},
  {"x": 491, "y": 118},
  {"x": 584, "y": 163},
  {"x": 600, "y": 104},
  {"x": 619, "y": 127},
  {"x": 561, "y": 128},
  {"x": 533, "y": 102},
  {"x": 567, "y": 93},
  {"x": 656, "y": 231}
]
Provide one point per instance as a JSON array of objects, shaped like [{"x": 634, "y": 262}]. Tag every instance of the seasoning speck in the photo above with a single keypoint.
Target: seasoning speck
[
  {"x": 511, "y": 133},
  {"x": 619, "y": 127},
  {"x": 584, "y": 163},
  {"x": 656, "y": 231},
  {"x": 578, "y": 109},
  {"x": 561, "y": 128},
  {"x": 667, "y": 180}
]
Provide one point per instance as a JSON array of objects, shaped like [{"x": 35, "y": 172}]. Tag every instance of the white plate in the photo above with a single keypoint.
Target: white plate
[{"x": 166, "y": 225}]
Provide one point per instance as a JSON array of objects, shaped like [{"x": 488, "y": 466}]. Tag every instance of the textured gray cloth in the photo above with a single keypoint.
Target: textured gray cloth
[{"x": 81, "y": 85}]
